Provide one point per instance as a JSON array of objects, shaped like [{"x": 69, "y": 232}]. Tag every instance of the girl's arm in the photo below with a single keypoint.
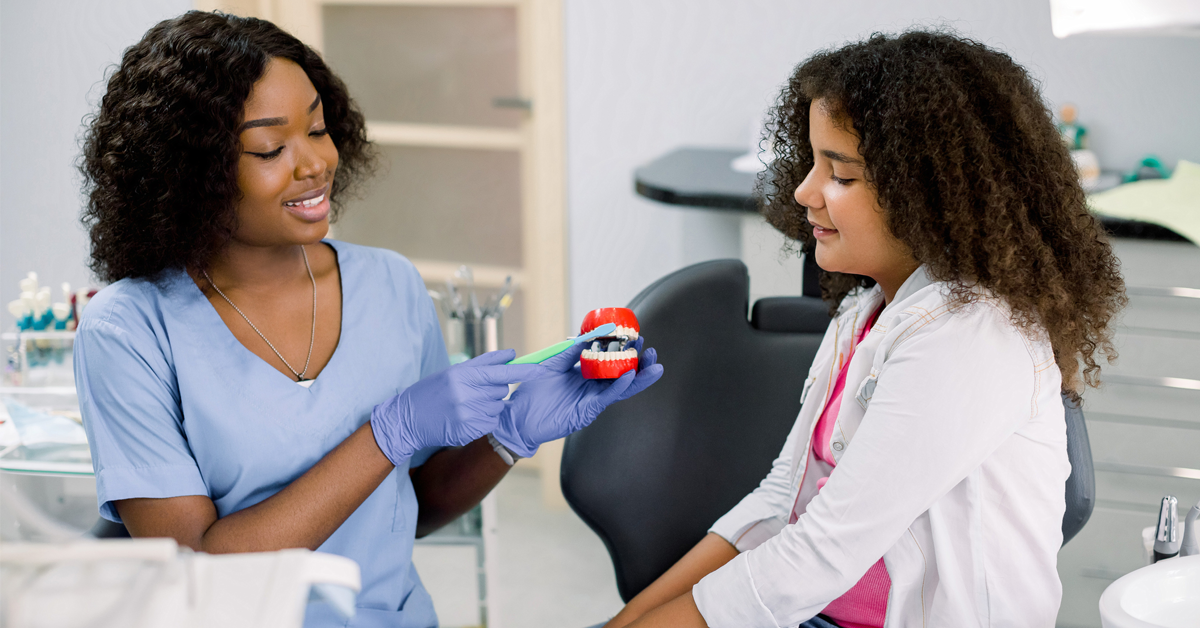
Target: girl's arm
[
  {"x": 670, "y": 596},
  {"x": 951, "y": 394},
  {"x": 771, "y": 500},
  {"x": 680, "y": 612}
]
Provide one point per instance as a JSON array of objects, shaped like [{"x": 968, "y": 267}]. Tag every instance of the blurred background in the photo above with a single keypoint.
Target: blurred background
[{"x": 514, "y": 133}]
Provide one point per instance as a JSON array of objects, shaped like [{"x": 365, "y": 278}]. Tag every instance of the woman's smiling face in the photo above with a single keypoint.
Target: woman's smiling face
[
  {"x": 849, "y": 225},
  {"x": 288, "y": 161}
]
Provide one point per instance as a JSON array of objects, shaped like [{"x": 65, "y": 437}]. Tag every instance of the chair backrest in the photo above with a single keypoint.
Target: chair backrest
[
  {"x": 1081, "y": 485},
  {"x": 654, "y": 472}
]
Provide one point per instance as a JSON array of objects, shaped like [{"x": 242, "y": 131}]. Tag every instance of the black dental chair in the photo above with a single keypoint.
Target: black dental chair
[{"x": 654, "y": 472}]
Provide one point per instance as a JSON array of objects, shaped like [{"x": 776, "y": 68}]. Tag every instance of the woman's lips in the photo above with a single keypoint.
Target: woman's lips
[{"x": 314, "y": 209}]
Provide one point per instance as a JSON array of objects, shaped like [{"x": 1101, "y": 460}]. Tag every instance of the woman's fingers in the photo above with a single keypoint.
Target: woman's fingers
[
  {"x": 649, "y": 358},
  {"x": 502, "y": 356},
  {"x": 509, "y": 373},
  {"x": 644, "y": 379},
  {"x": 563, "y": 362},
  {"x": 492, "y": 409},
  {"x": 614, "y": 391}
]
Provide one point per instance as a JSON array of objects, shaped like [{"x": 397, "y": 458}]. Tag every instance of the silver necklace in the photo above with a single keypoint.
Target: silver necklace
[{"x": 312, "y": 338}]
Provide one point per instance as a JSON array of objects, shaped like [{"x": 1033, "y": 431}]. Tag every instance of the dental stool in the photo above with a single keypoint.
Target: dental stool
[{"x": 655, "y": 471}]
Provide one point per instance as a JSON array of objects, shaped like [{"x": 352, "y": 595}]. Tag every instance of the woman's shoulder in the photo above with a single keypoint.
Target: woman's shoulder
[
  {"x": 377, "y": 271},
  {"x": 373, "y": 259},
  {"x": 130, "y": 302},
  {"x": 127, "y": 320}
]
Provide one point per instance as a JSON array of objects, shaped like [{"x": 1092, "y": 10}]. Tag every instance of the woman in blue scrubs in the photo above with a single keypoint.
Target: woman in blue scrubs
[{"x": 248, "y": 385}]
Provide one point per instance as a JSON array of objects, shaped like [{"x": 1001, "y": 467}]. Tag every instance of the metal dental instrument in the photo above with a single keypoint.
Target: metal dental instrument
[
  {"x": 502, "y": 297},
  {"x": 1190, "y": 546},
  {"x": 455, "y": 300},
  {"x": 537, "y": 357},
  {"x": 465, "y": 273},
  {"x": 1166, "y": 537}
]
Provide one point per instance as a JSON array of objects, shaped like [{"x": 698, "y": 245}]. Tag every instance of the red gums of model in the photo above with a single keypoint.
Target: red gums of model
[{"x": 608, "y": 369}]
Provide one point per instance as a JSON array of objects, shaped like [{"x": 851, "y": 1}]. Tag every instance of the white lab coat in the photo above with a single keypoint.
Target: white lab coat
[{"x": 951, "y": 458}]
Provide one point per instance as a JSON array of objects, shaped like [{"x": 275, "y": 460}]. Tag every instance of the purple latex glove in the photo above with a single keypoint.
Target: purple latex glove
[
  {"x": 564, "y": 402},
  {"x": 453, "y": 407}
]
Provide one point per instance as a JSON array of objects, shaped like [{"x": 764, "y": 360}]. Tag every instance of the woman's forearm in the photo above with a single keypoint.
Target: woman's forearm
[
  {"x": 304, "y": 514},
  {"x": 710, "y": 554},
  {"x": 453, "y": 481}
]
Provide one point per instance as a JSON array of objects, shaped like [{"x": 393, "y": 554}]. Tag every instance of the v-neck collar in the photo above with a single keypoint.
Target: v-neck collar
[{"x": 197, "y": 299}]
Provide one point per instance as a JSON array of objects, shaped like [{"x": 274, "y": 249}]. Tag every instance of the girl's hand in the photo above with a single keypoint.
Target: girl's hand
[{"x": 564, "y": 402}]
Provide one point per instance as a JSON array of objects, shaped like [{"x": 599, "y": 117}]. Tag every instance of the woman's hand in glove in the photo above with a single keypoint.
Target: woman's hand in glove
[
  {"x": 453, "y": 407},
  {"x": 564, "y": 402}
]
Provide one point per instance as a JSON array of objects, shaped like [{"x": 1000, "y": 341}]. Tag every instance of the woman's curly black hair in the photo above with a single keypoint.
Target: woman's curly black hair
[
  {"x": 160, "y": 156},
  {"x": 972, "y": 175}
]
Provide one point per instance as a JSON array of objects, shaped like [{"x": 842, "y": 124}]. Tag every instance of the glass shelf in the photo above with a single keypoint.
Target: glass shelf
[
  {"x": 38, "y": 359},
  {"x": 55, "y": 461},
  {"x": 38, "y": 335}
]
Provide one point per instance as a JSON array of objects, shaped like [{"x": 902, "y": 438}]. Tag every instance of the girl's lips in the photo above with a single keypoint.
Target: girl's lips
[{"x": 822, "y": 232}]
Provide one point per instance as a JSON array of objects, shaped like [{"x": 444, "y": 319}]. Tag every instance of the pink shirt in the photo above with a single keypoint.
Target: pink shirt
[{"x": 865, "y": 604}]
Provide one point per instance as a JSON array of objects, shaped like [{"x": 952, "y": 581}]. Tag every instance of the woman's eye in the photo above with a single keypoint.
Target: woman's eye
[
  {"x": 320, "y": 132},
  {"x": 271, "y": 155},
  {"x": 840, "y": 181}
]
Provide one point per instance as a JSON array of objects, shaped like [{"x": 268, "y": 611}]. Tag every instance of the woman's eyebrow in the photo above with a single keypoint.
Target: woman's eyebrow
[
  {"x": 264, "y": 122},
  {"x": 278, "y": 121},
  {"x": 846, "y": 159}
]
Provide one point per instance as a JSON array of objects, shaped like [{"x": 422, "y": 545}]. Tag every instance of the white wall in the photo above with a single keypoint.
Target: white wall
[
  {"x": 643, "y": 77},
  {"x": 53, "y": 57},
  {"x": 647, "y": 76}
]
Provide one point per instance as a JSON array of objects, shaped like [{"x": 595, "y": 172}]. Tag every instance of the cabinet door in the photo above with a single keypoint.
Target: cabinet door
[
  {"x": 1142, "y": 423},
  {"x": 463, "y": 100}
]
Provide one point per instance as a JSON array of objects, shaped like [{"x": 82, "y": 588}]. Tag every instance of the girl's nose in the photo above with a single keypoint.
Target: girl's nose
[{"x": 808, "y": 193}]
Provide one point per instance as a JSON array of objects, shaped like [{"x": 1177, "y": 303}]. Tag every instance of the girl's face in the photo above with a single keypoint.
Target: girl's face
[
  {"x": 287, "y": 162},
  {"x": 848, "y": 223}
]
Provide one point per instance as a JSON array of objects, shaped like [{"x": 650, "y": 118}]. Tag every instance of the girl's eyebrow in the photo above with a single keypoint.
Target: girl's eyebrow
[
  {"x": 836, "y": 156},
  {"x": 278, "y": 121}
]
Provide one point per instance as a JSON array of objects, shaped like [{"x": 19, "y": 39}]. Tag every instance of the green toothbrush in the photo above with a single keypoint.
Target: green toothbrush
[{"x": 537, "y": 357}]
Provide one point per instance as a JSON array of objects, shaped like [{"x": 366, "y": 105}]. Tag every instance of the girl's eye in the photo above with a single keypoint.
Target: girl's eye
[
  {"x": 840, "y": 181},
  {"x": 271, "y": 155},
  {"x": 320, "y": 132}
]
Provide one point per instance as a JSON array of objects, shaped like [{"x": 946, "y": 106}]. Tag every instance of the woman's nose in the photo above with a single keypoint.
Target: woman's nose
[
  {"x": 808, "y": 193},
  {"x": 310, "y": 165}
]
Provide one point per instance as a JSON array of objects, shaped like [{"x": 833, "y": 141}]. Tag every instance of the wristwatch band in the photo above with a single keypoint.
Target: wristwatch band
[{"x": 505, "y": 453}]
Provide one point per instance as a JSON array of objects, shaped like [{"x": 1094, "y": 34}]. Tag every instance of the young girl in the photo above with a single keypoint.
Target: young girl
[{"x": 923, "y": 481}]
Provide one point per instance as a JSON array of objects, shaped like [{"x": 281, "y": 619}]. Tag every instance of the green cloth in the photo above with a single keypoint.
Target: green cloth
[{"x": 1172, "y": 203}]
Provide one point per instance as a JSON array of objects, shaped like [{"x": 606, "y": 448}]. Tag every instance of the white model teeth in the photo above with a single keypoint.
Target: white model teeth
[
  {"x": 628, "y": 332},
  {"x": 312, "y": 202},
  {"x": 608, "y": 356}
]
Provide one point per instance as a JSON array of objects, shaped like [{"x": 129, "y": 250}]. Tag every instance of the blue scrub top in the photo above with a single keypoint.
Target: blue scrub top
[{"x": 174, "y": 405}]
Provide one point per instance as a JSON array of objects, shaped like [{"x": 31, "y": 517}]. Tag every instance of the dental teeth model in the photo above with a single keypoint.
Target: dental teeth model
[{"x": 609, "y": 357}]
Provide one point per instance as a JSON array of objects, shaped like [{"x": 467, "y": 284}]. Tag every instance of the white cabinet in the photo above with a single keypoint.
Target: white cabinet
[{"x": 1144, "y": 423}]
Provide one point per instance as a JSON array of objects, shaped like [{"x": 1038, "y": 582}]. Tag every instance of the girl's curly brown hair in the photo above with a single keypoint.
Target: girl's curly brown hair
[
  {"x": 973, "y": 176},
  {"x": 160, "y": 156}
]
